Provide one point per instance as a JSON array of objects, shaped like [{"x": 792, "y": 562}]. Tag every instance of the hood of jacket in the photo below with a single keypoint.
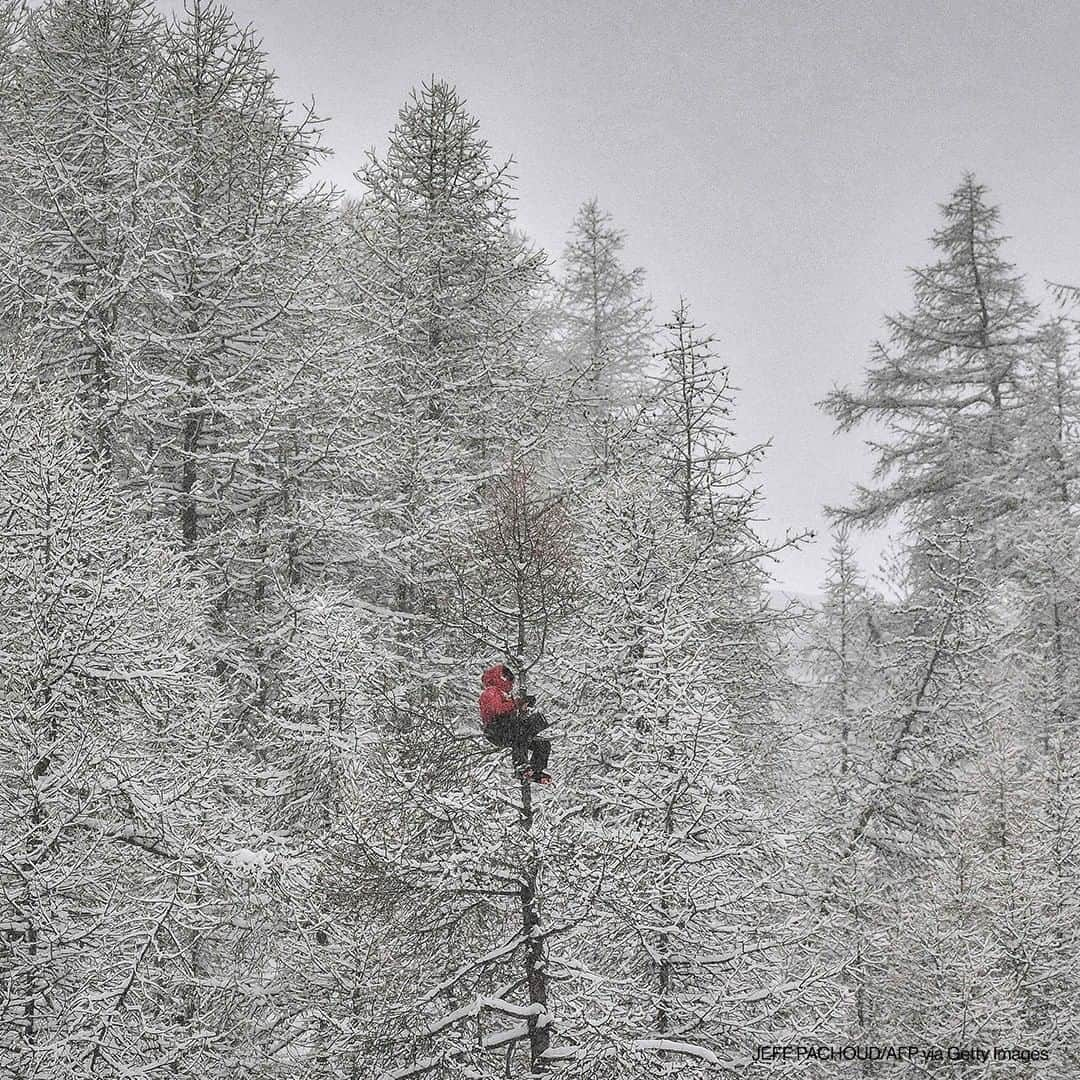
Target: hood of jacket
[{"x": 494, "y": 677}]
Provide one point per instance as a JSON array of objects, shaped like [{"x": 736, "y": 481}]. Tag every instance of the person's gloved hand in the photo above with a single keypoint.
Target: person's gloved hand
[{"x": 528, "y": 700}]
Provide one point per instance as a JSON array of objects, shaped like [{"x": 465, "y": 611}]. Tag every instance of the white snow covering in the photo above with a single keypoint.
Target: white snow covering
[
  {"x": 507, "y": 1035},
  {"x": 676, "y": 1047},
  {"x": 496, "y": 1004}
]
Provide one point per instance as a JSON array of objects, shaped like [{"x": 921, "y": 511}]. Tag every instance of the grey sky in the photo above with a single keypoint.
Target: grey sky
[{"x": 779, "y": 163}]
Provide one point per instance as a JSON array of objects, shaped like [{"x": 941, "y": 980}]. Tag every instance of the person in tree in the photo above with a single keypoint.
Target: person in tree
[{"x": 508, "y": 722}]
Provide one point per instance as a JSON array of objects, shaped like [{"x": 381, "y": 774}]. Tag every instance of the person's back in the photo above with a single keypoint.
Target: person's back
[{"x": 496, "y": 701}]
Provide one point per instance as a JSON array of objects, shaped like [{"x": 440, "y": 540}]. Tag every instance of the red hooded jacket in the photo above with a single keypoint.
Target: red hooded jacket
[{"x": 496, "y": 701}]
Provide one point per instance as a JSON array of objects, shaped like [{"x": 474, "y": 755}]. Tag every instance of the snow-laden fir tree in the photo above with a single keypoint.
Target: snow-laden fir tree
[
  {"x": 82, "y": 161},
  {"x": 247, "y": 398},
  {"x": 249, "y": 449},
  {"x": 945, "y": 383},
  {"x": 601, "y": 338},
  {"x": 839, "y": 655},
  {"x": 442, "y": 288},
  {"x": 413, "y": 839},
  {"x": 441, "y": 272},
  {"x": 934, "y": 851},
  {"x": 1038, "y": 788},
  {"x": 447, "y": 874},
  {"x": 978, "y": 406},
  {"x": 671, "y": 748},
  {"x": 122, "y": 916},
  {"x": 160, "y": 245},
  {"x": 839, "y": 661}
]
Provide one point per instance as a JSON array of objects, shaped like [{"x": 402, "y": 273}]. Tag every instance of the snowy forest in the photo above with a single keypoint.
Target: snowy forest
[{"x": 284, "y": 470}]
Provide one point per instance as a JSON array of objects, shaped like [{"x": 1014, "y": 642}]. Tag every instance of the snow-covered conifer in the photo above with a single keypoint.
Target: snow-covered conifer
[
  {"x": 243, "y": 391},
  {"x": 672, "y": 742},
  {"x": 601, "y": 337},
  {"x": 82, "y": 161},
  {"x": 119, "y": 908},
  {"x": 450, "y": 872},
  {"x": 605, "y": 320},
  {"x": 450, "y": 283},
  {"x": 945, "y": 384}
]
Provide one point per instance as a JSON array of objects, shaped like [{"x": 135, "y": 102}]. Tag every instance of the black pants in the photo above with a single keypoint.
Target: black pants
[{"x": 519, "y": 734}]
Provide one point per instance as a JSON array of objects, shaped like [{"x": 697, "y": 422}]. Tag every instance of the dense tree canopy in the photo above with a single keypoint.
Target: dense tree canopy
[{"x": 282, "y": 472}]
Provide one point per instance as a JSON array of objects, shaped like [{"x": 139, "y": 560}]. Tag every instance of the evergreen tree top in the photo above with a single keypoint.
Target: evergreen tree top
[
  {"x": 436, "y": 160},
  {"x": 946, "y": 381}
]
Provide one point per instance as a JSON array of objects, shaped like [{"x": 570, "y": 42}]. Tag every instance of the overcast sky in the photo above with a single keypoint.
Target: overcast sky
[{"x": 777, "y": 162}]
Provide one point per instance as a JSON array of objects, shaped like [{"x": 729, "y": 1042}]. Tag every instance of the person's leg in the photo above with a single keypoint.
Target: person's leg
[
  {"x": 541, "y": 751},
  {"x": 499, "y": 734},
  {"x": 517, "y": 738}
]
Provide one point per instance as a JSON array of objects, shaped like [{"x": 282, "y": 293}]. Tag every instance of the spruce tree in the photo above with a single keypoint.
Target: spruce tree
[
  {"x": 115, "y": 805},
  {"x": 601, "y": 339},
  {"x": 415, "y": 819},
  {"x": 978, "y": 405},
  {"x": 82, "y": 161},
  {"x": 673, "y": 742},
  {"x": 840, "y": 660},
  {"x": 945, "y": 384}
]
